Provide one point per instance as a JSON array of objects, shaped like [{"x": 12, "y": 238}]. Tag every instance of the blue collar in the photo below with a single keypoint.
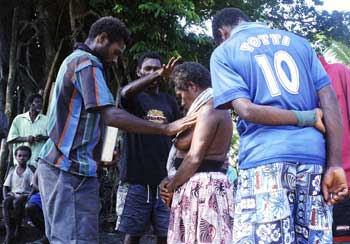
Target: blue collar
[{"x": 247, "y": 25}]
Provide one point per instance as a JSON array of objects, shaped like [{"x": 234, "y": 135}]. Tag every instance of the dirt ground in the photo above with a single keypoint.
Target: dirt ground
[{"x": 30, "y": 234}]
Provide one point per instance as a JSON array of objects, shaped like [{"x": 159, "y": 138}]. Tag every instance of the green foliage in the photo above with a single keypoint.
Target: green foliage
[
  {"x": 299, "y": 17},
  {"x": 340, "y": 52}
]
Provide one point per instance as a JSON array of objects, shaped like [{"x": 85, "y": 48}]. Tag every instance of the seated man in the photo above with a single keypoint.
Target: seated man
[{"x": 15, "y": 192}]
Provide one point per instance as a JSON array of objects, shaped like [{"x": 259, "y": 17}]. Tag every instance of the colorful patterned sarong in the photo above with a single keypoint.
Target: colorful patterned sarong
[
  {"x": 202, "y": 210},
  {"x": 281, "y": 203}
]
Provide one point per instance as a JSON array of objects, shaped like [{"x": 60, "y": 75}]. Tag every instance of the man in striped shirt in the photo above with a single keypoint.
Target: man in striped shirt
[{"x": 82, "y": 105}]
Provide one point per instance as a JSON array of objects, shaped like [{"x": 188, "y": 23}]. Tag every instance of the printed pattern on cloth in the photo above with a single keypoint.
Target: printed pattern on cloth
[
  {"x": 281, "y": 203},
  {"x": 121, "y": 199},
  {"x": 202, "y": 210}
]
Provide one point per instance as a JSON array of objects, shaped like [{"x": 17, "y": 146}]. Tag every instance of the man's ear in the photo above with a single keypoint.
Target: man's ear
[
  {"x": 102, "y": 38},
  {"x": 224, "y": 33},
  {"x": 193, "y": 87},
  {"x": 138, "y": 71}
]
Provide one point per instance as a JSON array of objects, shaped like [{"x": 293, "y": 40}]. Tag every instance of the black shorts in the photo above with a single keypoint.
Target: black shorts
[{"x": 341, "y": 218}]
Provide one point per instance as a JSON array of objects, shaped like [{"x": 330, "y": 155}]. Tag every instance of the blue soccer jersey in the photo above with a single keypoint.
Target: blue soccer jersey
[{"x": 276, "y": 68}]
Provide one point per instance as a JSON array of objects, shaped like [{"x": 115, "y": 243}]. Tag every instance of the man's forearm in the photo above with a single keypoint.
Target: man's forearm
[
  {"x": 264, "y": 115},
  {"x": 19, "y": 139},
  {"x": 121, "y": 119},
  {"x": 42, "y": 138},
  {"x": 138, "y": 85},
  {"x": 334, "y": 127}
]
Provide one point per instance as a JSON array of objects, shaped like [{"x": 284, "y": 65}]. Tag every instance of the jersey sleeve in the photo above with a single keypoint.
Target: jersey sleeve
[
  {"x": 227, "y": 84},
  {"x": 93, "y": 87}
]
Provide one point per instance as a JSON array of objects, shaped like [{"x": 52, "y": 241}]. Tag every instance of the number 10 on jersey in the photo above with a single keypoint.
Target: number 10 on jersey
[{"x": 269, "y": 70}]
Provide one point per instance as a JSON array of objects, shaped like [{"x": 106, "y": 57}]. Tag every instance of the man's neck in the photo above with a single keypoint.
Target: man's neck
[
  {"x": 90, "y": 45},
  {"x": 33, "y": 115}
]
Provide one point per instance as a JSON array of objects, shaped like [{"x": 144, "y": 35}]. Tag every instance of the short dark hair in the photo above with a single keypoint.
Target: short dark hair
[
  {"x": 24, "y": 148},
  {"x": 226, "y": 17},
  {"x": 145, "y": 55},
  {"x": 115, "y": 29},
  {"x": 31, "y": 98},
  {"x": 191, "y": 71}
]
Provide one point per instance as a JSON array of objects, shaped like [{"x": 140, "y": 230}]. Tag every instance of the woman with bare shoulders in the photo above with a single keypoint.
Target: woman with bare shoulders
[{"x": 202, "y": 205}]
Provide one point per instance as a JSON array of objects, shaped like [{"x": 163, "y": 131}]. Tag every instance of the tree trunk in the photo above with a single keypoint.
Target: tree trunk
[
  {"x": 11, "y": 83},
  {"x": 3, "y": 160},
  {"x": 50, "y": 79},
  {"x": 4, "y": 57},
  {"x": 73, "y": 22}
]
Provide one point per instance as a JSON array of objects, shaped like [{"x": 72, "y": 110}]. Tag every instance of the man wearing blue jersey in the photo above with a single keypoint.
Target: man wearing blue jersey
[{"x": 279, "y": 198}]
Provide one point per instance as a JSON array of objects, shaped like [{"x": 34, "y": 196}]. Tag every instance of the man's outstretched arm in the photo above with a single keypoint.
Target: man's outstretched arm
[{"x": 119, "y": 118}]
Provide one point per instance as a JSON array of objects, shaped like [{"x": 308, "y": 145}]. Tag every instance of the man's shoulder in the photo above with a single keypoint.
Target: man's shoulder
[
  {"x": 83, "y": 59},
  {"x": 43, "y": 117},
  {"x": 11, "y": 170},
  {"x": 20, "y": 117},
  {"x": 218, "y": 51},
  {"x": 338, "y": 67}
]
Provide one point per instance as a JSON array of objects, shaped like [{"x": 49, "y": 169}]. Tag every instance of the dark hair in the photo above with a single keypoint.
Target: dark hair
[
  {"x": 145, "y": 55},
  {"x": 226, "y": 17},
  {"x": 24, "y": 148},
  {"x": 31, "y": 98},
  {"x": 115, "y": 29},
  {"x": 190, "y": 71}
]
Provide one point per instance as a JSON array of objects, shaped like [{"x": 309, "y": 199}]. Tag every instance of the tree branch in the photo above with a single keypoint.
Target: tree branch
[
  {"x": 28, "y": 73},
  {"x": 48, "y": 84}
]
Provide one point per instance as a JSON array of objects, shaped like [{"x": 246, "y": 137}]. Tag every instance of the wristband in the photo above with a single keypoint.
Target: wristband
[{"x": 305, "y": 118}]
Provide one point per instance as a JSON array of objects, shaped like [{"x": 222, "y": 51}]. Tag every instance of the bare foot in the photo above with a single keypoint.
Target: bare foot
[{"x": 319, "y": 123}]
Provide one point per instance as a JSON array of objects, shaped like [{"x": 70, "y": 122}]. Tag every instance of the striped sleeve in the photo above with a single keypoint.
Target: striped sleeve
[{"x": 93, "y": 87}]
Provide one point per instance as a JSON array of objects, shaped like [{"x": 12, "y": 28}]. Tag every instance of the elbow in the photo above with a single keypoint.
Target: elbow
[
  {"x": 107, "y": 117},
  {"x": 246, "y": 113},
  {"x": 107, "y": 121},
  {"x": 194, "y": 160},
  {"x": 123, "y": 92}
]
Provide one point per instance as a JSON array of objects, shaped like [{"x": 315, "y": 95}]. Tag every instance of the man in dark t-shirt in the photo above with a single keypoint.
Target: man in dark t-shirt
[{"x": 144, "y": 157}]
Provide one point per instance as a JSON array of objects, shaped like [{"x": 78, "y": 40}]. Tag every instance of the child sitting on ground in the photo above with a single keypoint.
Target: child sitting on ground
[{"x": 15, "y": 192}]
